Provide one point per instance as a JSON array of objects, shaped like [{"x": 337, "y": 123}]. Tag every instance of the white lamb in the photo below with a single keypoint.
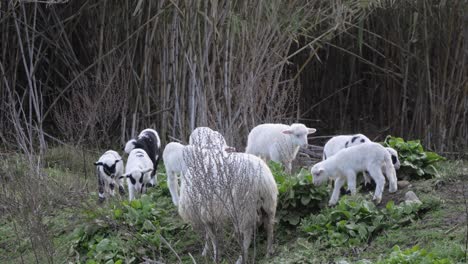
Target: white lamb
[
  {"x": 337, "y": 143},
  {"x": 278, "y": 142},
  {"x": 138, "y": 172},
  {"x": 208, "y": 138},
  {"x": 175, "y": 166},
  {"x": 238, "y": 189},
  {"x": 343, "y": 166},
  {"x": 109, "y": 170}
]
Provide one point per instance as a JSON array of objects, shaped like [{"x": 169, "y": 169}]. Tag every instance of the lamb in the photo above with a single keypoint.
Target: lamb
[
  {"x": 109, "y": 169},
  {"x": 148, "y": 140},
  {"x": 138, "y": 172},
  {"x": 337, "y": 143},
  {"x": 175, "y": 165},
  {"x": 278, "y": 142},
  {"x": 205, "y": 137},
  {"x": 343, "y": 166},
  {"x": 237, "y": 188}
]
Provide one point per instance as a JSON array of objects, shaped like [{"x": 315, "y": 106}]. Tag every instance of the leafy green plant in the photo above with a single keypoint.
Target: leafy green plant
[
  {"x": 125, "y": 231},
  {"x": 415, "y": 162},
  {"x": 298, "y": 196},
  {"x": 355, "y": 220}
]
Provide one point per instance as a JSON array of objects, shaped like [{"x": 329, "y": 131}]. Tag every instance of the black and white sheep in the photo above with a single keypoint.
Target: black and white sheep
[
  {"x": 148, "y": 140},
  {"x": 109, "y": 169},
  {"x": 238, "y": 188},
  {"x": 138, "y": 172},
  {"x": 368, "y": 157},
  {"x": 278, "y": 142}
]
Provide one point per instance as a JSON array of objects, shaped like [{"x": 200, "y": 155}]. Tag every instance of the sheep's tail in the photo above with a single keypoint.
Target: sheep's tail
[
  {"x": 390, "y": 173},
  {"x": 129, "y": 146}
]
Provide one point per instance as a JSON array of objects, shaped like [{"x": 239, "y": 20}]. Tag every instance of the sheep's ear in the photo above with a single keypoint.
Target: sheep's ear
[
  {"x": 311, "y": 130},
  {"x": 97, "y": 163},
  {"x": 118, "y": 160},
  {"x": 288, "y": 132}
]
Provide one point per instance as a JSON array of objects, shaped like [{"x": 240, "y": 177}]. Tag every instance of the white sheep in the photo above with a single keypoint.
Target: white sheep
[
  {"x": 237, "y": 188},
  {"x": 208, "y": 138},
  {"x": 109, "y": 170},
  {"x": 337, "y": 143},
  {"x": 368, "y": 157},
  {"x": 148, "y": 140},
  {"x": 175, "y": 166},
  {"x": 138, "y": 172},
  {"x": 278, "y": 142}
]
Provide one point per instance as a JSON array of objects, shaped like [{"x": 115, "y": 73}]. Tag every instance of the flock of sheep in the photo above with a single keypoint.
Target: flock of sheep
[{"x": 212, "y": 184}]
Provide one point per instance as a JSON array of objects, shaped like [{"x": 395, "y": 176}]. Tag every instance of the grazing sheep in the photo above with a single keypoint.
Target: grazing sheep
[
  {"x": 208, "y": 138},
  {"x": 109, "y": 169},
  {"x": 175, "y": 165},
  {"x": 149, "y": 141},
  {"x": 138, "y": 172},
  {"x": 343, "y": 166},
  {"x": 278, "y": 142},
  {"x": 237, "y": 188},
  {"x": 338, "y": 143}
]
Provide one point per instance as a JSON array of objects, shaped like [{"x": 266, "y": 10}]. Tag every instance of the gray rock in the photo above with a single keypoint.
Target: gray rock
[
  {"x": 403, "y": 184},
  {"x": 410, "y": 197}
]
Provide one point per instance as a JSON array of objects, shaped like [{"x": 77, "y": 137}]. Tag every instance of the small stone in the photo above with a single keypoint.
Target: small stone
[
  {"x": 403, "y": 184},
  {"x": 410, "y": 197}
]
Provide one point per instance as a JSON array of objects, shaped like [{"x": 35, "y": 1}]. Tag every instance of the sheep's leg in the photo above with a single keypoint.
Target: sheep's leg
[
  {"x": 205, "y": 248},
  {"x": 367, "y": 179},
  {"x": 212, "y": 236},
  {"x": 112, "y": 187},
  {"x": 121, "y": 187},
  {"x": 173, "y": 187},
  {"x": 131, "y": 192},
  {"x": 351, "y": 179},
  {"x": 246, "y": 240},
  {"x": 101, "y": 187},
  {"x": 339, "y": 182},
  {"x": 268, "y": 223},
  {"x": 376, "y": 174}
]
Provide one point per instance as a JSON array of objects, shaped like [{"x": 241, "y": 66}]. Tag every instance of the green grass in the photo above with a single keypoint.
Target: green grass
[{"x": 83, "y": 231}]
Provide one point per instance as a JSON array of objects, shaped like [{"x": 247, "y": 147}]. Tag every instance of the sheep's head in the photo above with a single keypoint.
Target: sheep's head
[
  {"x": 298, "y": 134},
  {"x": 319, "y": 174},
  {"x": 137, "y": 178},
  {"x": 108, "y": 167},
  {"x": 395, "y": 160}
]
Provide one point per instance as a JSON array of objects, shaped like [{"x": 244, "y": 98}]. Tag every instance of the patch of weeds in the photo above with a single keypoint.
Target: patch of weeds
[
  {"x": 128, "y": 232},
  {"x": 356, "y": 220},
  {"x": 415, "y": 162},
  {"x": 298, "y": 196},
  {"x": 417, "y": 255}
]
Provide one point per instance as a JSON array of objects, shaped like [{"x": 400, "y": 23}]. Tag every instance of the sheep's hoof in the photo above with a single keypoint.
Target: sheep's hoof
[
  {"x": 377, "y": 200},
  {"x": 149, "y": 185},
  {"x": 343, "y": 191},
  {"x": 101, "y": 200},
  {"x": 121, "y": 190}
]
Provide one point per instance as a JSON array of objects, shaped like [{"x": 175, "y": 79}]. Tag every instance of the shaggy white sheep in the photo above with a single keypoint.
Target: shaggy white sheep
[
  {"x": 109, "y": 169},
  {"x": 148, "y": 140},
  {"x": 175, "y": 166},
  {"x": 237, "y": 188},
  {"x": 208, "y": 138},
  {"x": 343, "y": 166},
  {"x": 338, "y": 143},
  {"x": 138, "y": 172},
  {"x": 278, "y": 142}
]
